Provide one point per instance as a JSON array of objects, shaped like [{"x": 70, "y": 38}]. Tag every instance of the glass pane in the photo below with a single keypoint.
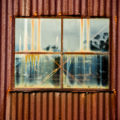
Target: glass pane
[
  {"x": 86, "y": 35},
  {"x": 85, "y": 71},
  {"x": 38, "y": 71},
  {"x": 37, "y": 34},
  {"x": 71, "y": 35},
  {"x": 99, "y": 35},
  {"x": 51, "y": 35}
]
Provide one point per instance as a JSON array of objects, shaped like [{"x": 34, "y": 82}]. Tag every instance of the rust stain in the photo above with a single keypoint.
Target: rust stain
[
  {"x": 35, "y": 13},
  {"x": 114, "y": 91},
  {"x": 38, "y": 58},
  {"x": 116, "y": 19},
  {"x": 10, "y": 18},
  {"x": 88, "y": 33},
  {"x": 33, "y": 59},
  {"x": 59, "y": 13}
]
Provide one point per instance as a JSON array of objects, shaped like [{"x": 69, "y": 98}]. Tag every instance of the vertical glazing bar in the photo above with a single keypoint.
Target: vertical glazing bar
[{"x": 62, "y": 53}]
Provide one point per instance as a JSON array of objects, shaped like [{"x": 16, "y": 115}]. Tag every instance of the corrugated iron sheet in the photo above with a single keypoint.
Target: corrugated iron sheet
[
  {"x": 62, "y": 106},
  {"x": 58, "y": 105}
]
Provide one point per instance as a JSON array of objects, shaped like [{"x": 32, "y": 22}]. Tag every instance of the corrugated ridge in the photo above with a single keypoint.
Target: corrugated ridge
[
  {"x": 66, "y": 106},
  {"x": 40, "y": 105}
]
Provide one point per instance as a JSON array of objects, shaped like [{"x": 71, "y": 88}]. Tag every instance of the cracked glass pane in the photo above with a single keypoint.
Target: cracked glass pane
[
  {"x": 81, "y": 35},
  {"x": 38, "y": 71},
  {"x": 37, "y": 35},
  {"x": 85, "y": 71}
]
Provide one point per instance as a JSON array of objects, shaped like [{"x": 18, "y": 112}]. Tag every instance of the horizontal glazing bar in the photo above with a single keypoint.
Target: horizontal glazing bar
[
  {"x": 38, "y": 53},
  {"x": 101, "y": 53}
]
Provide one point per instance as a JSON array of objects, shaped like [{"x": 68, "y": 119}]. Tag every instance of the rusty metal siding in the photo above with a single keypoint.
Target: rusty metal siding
[
  {"x": 62, "y": 105},
  {"x": 58, "y": 105}
]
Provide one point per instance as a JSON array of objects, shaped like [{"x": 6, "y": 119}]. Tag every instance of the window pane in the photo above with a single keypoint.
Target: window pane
[
  {"x": 40, "y": 71},
  {"x": 86, "y": 35},
  {"x": 37, "y": 35},
  {"x": 85, "y": 71},
  {"x": 71, "y": 35},
  {"x": 51, "y": 35},
  {"x": 99, "y": 35}
]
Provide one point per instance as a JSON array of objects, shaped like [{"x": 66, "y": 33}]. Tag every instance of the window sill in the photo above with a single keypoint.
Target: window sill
[{"x": 90, "y": 90}]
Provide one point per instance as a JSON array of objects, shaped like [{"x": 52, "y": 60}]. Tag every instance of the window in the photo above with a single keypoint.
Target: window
[{"x": 61, "y": 53}]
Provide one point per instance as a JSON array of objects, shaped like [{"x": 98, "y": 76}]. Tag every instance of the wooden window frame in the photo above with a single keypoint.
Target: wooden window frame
[{"x": 61, "y": 53}]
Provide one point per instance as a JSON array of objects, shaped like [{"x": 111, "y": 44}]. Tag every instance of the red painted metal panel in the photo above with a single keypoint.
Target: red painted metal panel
[
  {"x": 90, "y": 8},
  {"x": 46, "y": 7},
  {"x": 83, "y": 8},
  {"x": 107, "y": 109},
  {"x": 100, "y": 106},
  {"x": 3, "y": 58},
  {"x": 118, "y": 64},
  {"x": 82, "y": 106},
  {"x": 69, "y": 106},
  {"x": 63, "y": 106},
  {"x": 44, "y": 106},
  {"x": 52, "y": 7},
  {"x": 27, "y": 8},
  {"x": 75, "y": 106},
  {"x": 65, "y": 7},
  {"x": 102, "y": 7},
  {"x": 40, "y": 7},
  {"x": 88, "y": 107},
  {"x": 13, "y": 106},
  {"x": 26, "y": 106},
  {"x": 71, "y": 7},
  {"x": 32, "y": 106},
  {"x": 22, "y": 7},
  {"x": 57, "y": 105},
  {"x": 20, "y": 106},
  {"x": 9, "y": 56},
  {"x": 50, "y": 106},
  {"x": 94, "y": 107},
  {"x": 58, "y": 7},
  {"x": 34, "y": 7},
  {"x": 38, "y": 106},
  {"x": 77, "y": 7},
  {"x": 113, "y": 43}
]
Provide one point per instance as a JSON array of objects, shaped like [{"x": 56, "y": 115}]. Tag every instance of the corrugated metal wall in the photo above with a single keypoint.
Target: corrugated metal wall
[{"x": 58, "y": 105}]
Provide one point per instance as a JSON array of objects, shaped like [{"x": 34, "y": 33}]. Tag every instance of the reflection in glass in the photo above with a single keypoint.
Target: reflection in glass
[
  {"x": 51, "y": 35},
  {"x": 40, "y": 71},
  {"x": 99, "y": 34},
  {"x": 85, "y": 35},
  {"x": 85, "y": 71},
  {"x": 37, "y": 35}
]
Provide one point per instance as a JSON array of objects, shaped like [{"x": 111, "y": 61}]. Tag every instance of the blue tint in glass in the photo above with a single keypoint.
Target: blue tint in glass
[
  {"x": 39, "y": 71},
  {"x": 85, "y": 71}
]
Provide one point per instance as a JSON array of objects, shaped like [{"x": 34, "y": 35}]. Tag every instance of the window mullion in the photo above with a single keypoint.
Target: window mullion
[{"x": 61, "y": 52}]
